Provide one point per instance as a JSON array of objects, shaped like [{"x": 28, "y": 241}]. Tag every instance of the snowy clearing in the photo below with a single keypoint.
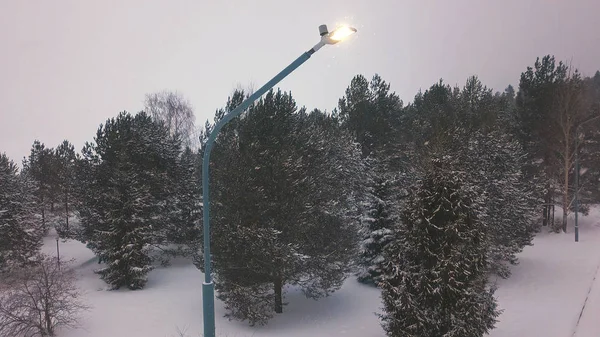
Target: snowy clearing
[{"x": 544, "y": 297}]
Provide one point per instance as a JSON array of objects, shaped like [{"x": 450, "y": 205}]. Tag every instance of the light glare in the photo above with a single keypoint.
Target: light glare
[{"x": 341, "y": 33}]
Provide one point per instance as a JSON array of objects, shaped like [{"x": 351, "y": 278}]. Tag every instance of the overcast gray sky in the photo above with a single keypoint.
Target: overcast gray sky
[{"x": 67, "y": 66}]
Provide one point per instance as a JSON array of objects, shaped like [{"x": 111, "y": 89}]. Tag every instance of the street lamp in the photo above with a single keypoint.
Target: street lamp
[
  {"x": 208, "y": 287},
  {"x": 577, "y": 131}
]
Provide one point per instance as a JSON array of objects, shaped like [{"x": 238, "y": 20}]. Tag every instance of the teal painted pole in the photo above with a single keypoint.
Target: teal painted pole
[{"x": 208, "y": 287}]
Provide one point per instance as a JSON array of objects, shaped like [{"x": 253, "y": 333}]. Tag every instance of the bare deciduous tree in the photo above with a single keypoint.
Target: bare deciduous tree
[
  {"x": 35, "y": 301},
  {"x": 177, "y": 114}
]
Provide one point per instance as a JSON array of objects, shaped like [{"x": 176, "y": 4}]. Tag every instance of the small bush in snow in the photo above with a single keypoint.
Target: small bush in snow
[{"x": 35, "y": 301}]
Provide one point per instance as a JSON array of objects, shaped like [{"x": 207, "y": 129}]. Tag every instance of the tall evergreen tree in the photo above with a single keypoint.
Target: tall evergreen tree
[
  {"x": 20, "y": 233},
  {"x": 496, "y": 167},
  {"x": 373, "y": 115},
  {"x": 125, "y": 209},
  {"x": 435, "y": 282},
  {"x": 284, "y": 189},
  {"x": 507, "y": 116},
  {"x": 431, "y": 114},
  {"x": 186, "y": 205},
  {"x": 553, "y": 101},
  {"x": 477, "y": 109},
  {"x": 40, "y": 166},
  {"x": 571, "y": 108},
  {"x": 589, "y": 147},
  {"x": 473, "y": 125},
  {"x": 66, "y": 161},
  {"x": 534, "y": 101}
]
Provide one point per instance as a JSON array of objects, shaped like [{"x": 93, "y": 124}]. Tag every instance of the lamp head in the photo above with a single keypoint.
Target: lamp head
[{"x": 338, "y": 34}]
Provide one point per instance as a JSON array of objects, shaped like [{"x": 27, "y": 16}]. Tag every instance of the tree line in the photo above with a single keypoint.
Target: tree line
[{"x": 423, "y": 200}]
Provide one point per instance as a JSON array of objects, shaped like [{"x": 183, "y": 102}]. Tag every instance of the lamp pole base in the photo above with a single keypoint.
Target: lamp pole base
[{"x": 208, "y": 305}]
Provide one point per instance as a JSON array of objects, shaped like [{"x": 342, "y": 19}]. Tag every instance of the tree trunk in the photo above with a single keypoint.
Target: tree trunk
[
  {"x": 545, "y": 214},
  {"x": 43, "y": 205},
  {"x": 47, "y": 317},
  {"x": 49, "y": 328},
  {"x": 564, "y": 220},
  {"x": 278, "y": 295},
  {"x": 67, "y": 212},
  {"x": 547, "y": 207},
  {"x": 567, "y": 161}
]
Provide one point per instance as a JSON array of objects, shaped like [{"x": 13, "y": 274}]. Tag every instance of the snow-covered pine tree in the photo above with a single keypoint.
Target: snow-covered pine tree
[
  {"x": 589, "y": 150},
  {"x": 86, "y": 180},
  {"x": 41, "y": 169},
  {"x": 378, "y": 223},
  {"x": 534, "y": 105},
  {"x": 227, "y": 139},
  {"x": 371, "y": 113},
  {"x": 123, "y": 244},
  {"x": 496, "y": 164},
  {"x": 330, "y": 178},
  {"x": 185, "y": 206},
  {"x": 20, "y": 233},
  {"x": 473, "y": 124},
  {"x": 248, "y": 279},
  {"x": 283, "y": 207},
  {"x": 130, "y": 181},
  {"x": 431, "y": 114},
  {"x": 435, "y": 282}
]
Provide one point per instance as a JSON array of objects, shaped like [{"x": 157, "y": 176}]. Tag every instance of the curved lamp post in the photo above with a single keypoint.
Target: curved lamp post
[{"x": 208, "y": 287}]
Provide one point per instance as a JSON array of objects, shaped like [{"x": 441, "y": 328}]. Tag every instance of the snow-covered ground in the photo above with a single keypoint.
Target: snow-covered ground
[
  {"x": 588, "y": 325},
  {"x": 554, "y": 291},
  {"x": 547, "y": 290}
]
